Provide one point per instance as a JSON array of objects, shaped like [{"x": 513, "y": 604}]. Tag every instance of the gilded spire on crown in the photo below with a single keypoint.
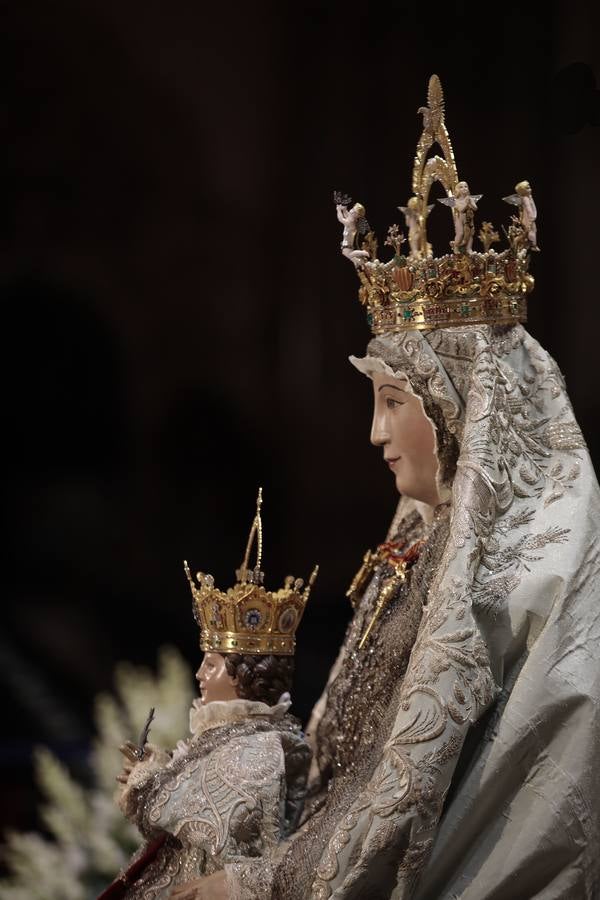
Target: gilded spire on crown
[
  {"x": 419, "y": 291},
  {"x": 248, "y": 618}
]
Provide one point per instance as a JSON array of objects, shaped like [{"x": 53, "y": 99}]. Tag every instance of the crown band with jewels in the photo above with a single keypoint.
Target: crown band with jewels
[
  {"x": 248, "y": 618},
  {"x": 418, "y": 291}
]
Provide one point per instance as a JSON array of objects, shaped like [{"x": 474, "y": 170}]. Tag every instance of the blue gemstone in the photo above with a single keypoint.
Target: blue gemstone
[{"x": 252, "y": 618}]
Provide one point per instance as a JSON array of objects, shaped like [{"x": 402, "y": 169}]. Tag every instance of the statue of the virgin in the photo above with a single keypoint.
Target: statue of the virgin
[{"x": 455, "y": 742}]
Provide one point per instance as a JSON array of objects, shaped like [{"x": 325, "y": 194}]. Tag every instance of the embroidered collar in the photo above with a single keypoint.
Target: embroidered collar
[{"x": 224, "y": 712}]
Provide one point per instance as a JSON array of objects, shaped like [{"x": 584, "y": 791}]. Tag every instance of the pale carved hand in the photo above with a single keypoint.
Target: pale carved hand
[
  {"x": 210, "y": 887},
  {"x": 130, "y": 752}
]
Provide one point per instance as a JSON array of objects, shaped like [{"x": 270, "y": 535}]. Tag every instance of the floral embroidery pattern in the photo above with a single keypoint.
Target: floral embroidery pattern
[{"x": 504, "y": 399}]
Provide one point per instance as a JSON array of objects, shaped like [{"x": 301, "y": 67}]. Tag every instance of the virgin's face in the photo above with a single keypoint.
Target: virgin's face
[
  {"x": 403, "y": 431},
  {"x": 214, "y": 680}
]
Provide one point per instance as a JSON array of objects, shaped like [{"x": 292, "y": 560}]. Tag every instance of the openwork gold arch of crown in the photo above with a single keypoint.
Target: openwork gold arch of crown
[
  {"x": 426, "y": 170},
  {"x": 247, "y": 618},
  {"x": 414, "y": 289}
]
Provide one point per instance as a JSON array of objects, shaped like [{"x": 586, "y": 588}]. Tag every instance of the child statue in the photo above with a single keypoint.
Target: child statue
[{"x": 236, "y": 786}]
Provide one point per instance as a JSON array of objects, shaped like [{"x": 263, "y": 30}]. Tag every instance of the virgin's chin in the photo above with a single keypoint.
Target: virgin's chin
[
  {"x": 400, "y": 487},
  {"x": 404, "y": 487},
  {"x": 409, "y": 490}
]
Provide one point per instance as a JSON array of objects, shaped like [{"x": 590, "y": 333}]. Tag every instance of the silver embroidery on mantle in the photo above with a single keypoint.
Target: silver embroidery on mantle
[
  {"x": 222, "y": 799},
  {"x": 510, "y": 622},
  {"x": 504, "y": 399}
]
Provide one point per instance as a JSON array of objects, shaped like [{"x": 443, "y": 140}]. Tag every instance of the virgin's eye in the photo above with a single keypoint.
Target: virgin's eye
[{"x": 392, "y": 404}]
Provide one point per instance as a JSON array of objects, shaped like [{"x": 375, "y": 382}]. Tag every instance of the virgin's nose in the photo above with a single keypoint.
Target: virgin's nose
[{"x": 379, "y": 432}]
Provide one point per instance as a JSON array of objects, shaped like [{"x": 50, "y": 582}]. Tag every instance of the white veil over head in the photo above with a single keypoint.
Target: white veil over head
[{"x": 490, "y": 772}]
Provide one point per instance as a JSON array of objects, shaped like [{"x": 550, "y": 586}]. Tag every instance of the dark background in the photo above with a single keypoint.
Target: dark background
[{"x": 177, "y": 316}]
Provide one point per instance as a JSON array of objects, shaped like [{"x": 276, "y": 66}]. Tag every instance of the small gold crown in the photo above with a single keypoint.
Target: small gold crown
[
  {"x": 418, "y": 291},
  {"x": 248, "y": 618}
]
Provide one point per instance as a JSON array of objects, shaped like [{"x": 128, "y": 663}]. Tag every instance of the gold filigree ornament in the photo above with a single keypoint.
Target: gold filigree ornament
[
  {"x": 397, "y": 563},
  {"x": 420, "y": 291},
  {"x": 248, "y": 618}
]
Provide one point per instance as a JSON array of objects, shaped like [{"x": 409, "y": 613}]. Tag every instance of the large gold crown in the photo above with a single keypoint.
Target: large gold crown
[
  {"x": 248, "y": 618},
  {"x": 418, "y": 291}
]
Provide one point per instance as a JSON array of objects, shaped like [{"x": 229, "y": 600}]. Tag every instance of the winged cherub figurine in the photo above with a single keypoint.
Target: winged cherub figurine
[
  {"x": 523, "y": 198},
  {"x": 415, "y": 221},
  {"x": 464, "y": 205},
  {"x": 354, "y": 222}
]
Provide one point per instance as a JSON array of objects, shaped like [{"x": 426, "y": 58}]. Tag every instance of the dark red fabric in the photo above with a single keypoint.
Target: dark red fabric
[{"x": 117, "y": 889}]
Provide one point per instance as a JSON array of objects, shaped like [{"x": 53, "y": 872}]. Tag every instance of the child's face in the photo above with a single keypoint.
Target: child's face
[{"x": 214, "y": 680}]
